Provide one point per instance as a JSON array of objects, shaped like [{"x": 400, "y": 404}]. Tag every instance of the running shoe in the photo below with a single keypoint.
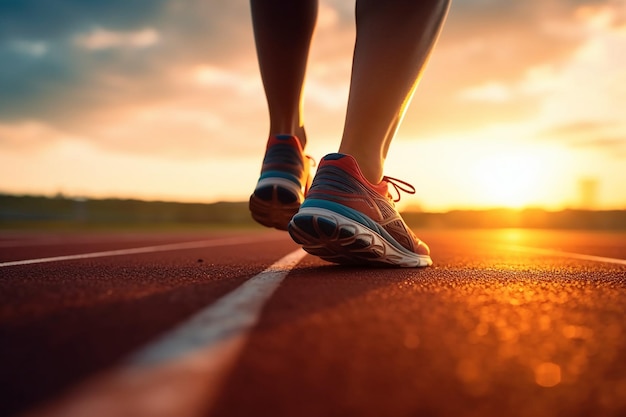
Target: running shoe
[
  {"x": 347, "y": 220},
  {"x": 284, "y": 181}
]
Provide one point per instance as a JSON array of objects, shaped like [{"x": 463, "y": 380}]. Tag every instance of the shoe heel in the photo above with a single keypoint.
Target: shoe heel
[{"x": 273, "y": 212}]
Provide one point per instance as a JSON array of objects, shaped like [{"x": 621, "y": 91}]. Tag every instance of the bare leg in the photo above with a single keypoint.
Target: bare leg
[
  {"x": 394, "y": 41},
  {"x": 283, "y": 30}
]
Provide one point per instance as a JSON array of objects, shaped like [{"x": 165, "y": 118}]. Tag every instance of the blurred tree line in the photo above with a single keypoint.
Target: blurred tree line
[{"x": 31, "y": 210}]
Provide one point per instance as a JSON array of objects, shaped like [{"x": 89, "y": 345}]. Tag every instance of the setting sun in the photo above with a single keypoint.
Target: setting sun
[{"x": 507, "y": 178}]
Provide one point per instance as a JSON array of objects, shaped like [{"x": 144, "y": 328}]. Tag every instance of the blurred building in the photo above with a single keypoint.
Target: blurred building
[{"x": 588, "y": 193}]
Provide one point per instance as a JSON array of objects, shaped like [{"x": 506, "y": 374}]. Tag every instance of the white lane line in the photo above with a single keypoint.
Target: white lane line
[
  {"x": 180, "y": 374},
  {"x": 145, "y": 249},
  {"x": 581, "y": 256},
  {"x": 39, "y": 240}
]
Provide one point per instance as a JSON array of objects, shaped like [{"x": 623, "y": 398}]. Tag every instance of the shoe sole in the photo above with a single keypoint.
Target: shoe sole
[
  {"x": 272, "y": 210},
  {"x": 336, "y": 238}
]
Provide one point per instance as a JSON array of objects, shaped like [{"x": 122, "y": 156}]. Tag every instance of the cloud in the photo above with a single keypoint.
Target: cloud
[
  {"x": 608, "y": 136},
  {"x": 99, "y": 38},
  {"x": 45, "y": 75},
  {"x": 213, "y": 77},
  {"x": 167, "y": 75},
  {"x": 31, "y": 136},
  {"x": 489, "y": 92},
  {"x": 518, "y": 62},
  {"x": 584, "y": 128},
  {"x": 88, "y": 69},
  {"x": 60, "y": 19},
  {"x": 33, "y": 49}
]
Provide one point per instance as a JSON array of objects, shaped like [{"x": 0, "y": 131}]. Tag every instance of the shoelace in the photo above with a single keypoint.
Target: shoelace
[
  {"x": 398, "y": 186},
  {"x": 312, "y": 161}
]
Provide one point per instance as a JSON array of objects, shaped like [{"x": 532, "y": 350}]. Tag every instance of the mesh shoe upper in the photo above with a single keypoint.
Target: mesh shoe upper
[
  {"x": 284, "y": 161},
  {"x": 283, "y": 183}
]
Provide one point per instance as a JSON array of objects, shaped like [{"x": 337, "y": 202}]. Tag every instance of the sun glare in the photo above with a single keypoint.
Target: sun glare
[
  {"x": 474, "y": 172},
  {"x": 508, "y": 177}
]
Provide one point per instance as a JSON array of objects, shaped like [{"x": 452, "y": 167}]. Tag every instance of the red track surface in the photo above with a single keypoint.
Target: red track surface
[{"x": 489, "y": 330}]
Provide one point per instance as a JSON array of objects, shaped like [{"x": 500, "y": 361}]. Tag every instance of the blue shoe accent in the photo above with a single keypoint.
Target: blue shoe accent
[
  {"x": 334, "y": 156},
  {"x": 351, "y": 214},
  {"x": 280, "y": 174}
]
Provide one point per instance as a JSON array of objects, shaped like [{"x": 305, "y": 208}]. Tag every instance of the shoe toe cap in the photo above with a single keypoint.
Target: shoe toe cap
[{"x": 421, "y": 248}]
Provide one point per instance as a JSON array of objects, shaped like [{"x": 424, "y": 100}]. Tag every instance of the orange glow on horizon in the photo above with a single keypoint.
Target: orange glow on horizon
[{"x": 508, "y": 177}]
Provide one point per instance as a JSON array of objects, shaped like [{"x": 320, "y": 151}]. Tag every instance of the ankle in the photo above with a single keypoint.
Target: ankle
[
  {"x": 371, "y": 173},
  {"x": 371, "y": 166},
  {"x": 300, "y": 133},
  {"x": 297, "y": 131}
]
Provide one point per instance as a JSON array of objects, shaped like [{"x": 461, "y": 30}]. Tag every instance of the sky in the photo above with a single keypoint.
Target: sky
[{"x": 522, "y": 104}]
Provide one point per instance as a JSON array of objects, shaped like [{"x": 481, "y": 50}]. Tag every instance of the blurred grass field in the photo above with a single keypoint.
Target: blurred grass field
[{"x": 63, "y": 213}]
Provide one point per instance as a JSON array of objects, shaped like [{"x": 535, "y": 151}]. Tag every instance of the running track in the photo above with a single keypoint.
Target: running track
[{"x": 506, "y": 323}]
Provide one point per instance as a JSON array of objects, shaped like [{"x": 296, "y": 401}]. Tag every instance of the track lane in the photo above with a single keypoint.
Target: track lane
[
  {"x": 88, "y": 314},
  {"x": 485, "y": 332},
  {"x": 314, "y": 304}
]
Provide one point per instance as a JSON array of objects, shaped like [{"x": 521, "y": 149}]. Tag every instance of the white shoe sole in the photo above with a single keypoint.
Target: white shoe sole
[{"x": 336, "y": 238}]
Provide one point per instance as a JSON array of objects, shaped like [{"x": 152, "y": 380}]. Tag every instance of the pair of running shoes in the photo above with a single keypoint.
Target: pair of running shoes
[{"x": 338, "y": 216}]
